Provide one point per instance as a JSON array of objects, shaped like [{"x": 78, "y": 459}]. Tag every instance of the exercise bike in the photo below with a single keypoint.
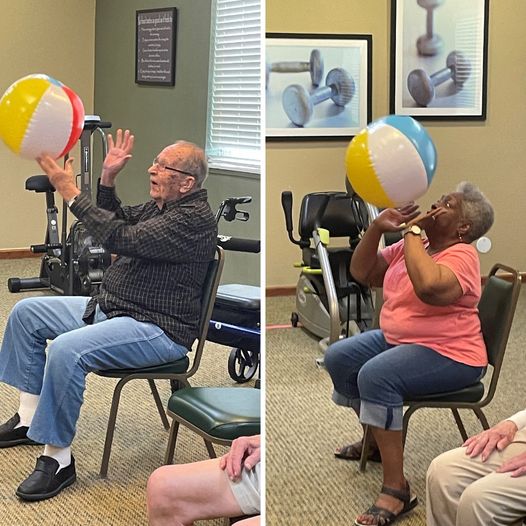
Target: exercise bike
[
  {"x": 329, "y": 302},
  {"x": 72, "y": 263},
  {"x": 235, "y": 319}
]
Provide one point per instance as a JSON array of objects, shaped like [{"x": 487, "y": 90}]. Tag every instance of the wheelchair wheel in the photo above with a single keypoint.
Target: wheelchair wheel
[{"x": 242, "y": 365}]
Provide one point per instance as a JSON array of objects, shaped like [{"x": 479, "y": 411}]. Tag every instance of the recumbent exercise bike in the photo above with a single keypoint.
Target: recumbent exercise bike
[
  {"x": 329, "y": 302},
  {"x": 72, "y": 263}
]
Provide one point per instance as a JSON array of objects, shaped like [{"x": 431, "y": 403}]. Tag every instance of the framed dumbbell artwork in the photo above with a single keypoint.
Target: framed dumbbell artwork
[
  {"x": 439, "y": 55},
  {"x": 317, "y": 86}
]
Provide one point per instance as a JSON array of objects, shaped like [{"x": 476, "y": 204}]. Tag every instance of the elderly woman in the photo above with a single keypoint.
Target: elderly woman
[{"x": 430, "y": 339}]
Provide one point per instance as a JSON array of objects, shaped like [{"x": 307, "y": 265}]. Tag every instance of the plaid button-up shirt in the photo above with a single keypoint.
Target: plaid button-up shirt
[{"x": 163, "y": 257}]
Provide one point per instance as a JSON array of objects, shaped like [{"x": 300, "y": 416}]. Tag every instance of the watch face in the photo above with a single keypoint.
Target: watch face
[{"x": 416, "y": 229}]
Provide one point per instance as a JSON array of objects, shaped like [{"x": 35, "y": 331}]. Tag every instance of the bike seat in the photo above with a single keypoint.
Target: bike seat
[{"x": 39, "y": 183}]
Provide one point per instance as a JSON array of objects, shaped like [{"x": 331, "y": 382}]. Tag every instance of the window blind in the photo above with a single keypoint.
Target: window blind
[{"x": 234, "y": 103}]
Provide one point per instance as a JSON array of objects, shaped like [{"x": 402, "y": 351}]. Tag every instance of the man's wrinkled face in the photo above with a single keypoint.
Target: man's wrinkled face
[{"x": 168, "y": 180}]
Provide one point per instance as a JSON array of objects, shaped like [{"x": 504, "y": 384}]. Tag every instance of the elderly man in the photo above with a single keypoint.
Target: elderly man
[
  {"x": 221, "y": 487},
  {"x": 146, "y": 311}
]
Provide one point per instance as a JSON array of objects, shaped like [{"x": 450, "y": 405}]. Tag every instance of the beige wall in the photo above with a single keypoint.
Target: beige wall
[
  {"x": 489, "y": 153},
  {"x": 55, "y": 37}
]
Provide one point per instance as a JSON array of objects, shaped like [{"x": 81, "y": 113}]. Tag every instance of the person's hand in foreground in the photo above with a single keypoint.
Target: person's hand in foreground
[
  {"x": 495, "y": 438},
  {"x": 244, "y": 452},
  {"x": 515, "y": 466}
]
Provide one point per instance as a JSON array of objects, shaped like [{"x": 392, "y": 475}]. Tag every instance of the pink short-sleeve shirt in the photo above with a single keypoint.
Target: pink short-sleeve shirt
[{"x": 451, "y": 330}]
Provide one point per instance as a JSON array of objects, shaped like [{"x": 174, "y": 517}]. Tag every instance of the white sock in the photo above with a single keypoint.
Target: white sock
[
  {"x": 28, "y": 406},
  {"x": 61, "y": 454}
]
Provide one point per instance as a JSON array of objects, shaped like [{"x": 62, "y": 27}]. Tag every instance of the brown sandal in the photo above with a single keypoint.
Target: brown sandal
[
  {"x": 383, "y": 516},
  {"x": 354, "y": 452}
]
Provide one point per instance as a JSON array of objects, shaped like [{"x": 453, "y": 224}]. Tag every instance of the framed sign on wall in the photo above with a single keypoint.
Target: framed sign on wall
[{"x": 155, "y": 46}]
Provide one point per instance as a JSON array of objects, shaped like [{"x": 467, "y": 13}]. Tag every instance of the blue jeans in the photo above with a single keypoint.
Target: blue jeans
[
  {"x": 375, "y": 377},
  {"x": 77, "y": 349}
]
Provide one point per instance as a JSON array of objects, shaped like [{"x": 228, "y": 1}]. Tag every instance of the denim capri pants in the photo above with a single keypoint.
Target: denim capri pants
[{"x": 374, "y": 377}]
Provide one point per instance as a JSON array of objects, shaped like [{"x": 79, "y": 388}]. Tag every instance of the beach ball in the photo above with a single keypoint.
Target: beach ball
[
  {"x": 391, "y": 162},
  {"x": 38, "y": 115}
]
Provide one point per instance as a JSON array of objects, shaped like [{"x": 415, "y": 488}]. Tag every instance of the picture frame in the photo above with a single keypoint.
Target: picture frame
[
  {"x": 439, "y": 59},
  {"x": 297, "y": 108},
  {"x": 155, "y": 46}
]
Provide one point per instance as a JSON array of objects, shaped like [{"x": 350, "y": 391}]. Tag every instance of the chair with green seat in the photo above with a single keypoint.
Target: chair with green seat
[
  {"x": 218, "y": 414},
  {"x": 496, "y": 310},
  {"x": 180, "y": 370}
]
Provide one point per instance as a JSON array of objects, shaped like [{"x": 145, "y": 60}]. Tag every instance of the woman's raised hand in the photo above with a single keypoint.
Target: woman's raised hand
[
  {"x": 425, "y": 217},
  {"x": 394, "y": 219}
]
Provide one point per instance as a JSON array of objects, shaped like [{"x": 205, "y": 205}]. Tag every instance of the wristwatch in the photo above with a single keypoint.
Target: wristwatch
[{"x": 413, "y": 229}]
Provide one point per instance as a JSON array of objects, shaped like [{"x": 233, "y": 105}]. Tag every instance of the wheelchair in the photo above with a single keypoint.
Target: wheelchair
[{"x": 236, "y": 316}]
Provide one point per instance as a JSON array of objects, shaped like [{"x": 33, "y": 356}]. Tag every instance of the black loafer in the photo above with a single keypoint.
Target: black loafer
[
  {"x": 45, "y": 482},
  {"x": 10, "y": 435}
]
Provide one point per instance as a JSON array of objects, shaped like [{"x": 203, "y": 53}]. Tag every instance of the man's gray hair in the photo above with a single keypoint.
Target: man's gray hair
[
  {"x": 194, "y": 162},
  {"x": 476, "y": 209}
]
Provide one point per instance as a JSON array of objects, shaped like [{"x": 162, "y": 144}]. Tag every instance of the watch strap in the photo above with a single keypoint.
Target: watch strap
[{"x": 412, "y": 230}]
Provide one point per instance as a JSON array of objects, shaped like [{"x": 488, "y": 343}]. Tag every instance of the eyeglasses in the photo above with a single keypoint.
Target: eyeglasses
[{"x": 163, "y": 167}]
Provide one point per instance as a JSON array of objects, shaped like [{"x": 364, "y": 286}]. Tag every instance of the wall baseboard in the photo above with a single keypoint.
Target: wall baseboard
[
  {"x": 17, "y": 253},
  {"x": 280, "y": 291}
]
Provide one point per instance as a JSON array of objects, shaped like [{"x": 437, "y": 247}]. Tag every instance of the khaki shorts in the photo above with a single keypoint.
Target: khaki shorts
[{"x": 246, "y": 491}]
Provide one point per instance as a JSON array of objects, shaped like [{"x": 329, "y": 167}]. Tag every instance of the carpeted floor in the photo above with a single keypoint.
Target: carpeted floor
[
  {"x": 305, "y": 484},
  {"x": 138, "y": 448}
]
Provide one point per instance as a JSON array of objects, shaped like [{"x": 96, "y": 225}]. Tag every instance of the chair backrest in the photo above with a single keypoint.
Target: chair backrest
[
  {"x": 208, "y": 296},
  {"x": 337, "y": 214},
  {"x": 496, "y": 310}
]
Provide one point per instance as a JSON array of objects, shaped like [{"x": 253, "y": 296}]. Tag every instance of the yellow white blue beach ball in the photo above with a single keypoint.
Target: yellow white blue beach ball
[
  {"x": 40, "y": 115},
  {"x": 391, "y": 162}
]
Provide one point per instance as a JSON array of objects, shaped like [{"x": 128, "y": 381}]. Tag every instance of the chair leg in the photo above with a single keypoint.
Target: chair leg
[
  {"x": 172, "y": 439},
  {"x": 210, "y": 449},
  {"x": 405, "y": 422},
  {"x": 482, "y": 417},
  {"x": 111, "y": 427},
  {"x": 460, "y": 425},
  {"x": 159, "y": 404},
  {"x": 365, "y": 447}
]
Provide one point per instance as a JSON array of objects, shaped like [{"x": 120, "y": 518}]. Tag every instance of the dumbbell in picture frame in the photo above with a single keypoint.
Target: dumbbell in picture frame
[
  {"x": 299, "y": 104},
  {"x": 314, "y": 67},
  {"x": 430, "y": 43},
  {"x": 422, "y": 86}
]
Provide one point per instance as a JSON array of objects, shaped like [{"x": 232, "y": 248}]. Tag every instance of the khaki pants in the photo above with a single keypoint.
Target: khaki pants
[{"x": 463, "y": 491}]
